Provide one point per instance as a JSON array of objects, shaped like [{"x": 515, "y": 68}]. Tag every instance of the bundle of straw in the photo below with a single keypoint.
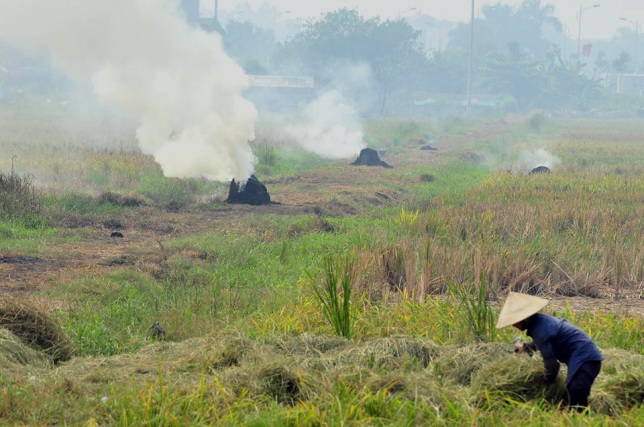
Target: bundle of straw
[
  {"x": 391, "y": 353},
  {"x": 14, "y": 352},
  {"x": 309, "y": 344},
  {"x": 620, "y": 384},
  {"x": 278, "y": 382},
  {"x": 458, "y": 365},
  {"x": 35, "y": 328},
  {"x": 515, "y": 377}
]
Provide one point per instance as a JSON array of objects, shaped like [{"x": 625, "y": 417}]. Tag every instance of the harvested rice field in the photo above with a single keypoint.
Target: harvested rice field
[{"x": 362, "y": 295}]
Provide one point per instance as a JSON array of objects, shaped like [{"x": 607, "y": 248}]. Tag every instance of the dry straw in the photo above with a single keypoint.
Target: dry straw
[
  {"x": 620, "y": 384},
  {"x": 390, "y": 353},
  {"x": 287, "y": 370},
  {"x": 515, "y": 377},
  {"x": 458, "y": 364},
  {"x": 14, "y": 354},
  {"x": 35, "y": 328},
  {"x": 309, "y": 344}
]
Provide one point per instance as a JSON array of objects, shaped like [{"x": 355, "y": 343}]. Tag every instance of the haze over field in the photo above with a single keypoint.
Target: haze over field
[
  {"x": 143, "y": 57},
  {"x": 602, "y": 23},
  {"x": 182, "y": 76}
]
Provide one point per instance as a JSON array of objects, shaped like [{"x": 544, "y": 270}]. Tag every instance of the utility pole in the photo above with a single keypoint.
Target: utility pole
[{"x": 581, "y": 11}]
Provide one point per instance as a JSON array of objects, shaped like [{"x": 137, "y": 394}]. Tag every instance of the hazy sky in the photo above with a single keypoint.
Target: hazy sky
[{"x": 600, "y": 22}]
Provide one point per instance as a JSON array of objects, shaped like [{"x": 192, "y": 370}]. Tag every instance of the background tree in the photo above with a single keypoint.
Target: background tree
[
  {"x": 533, "y": 18},
  {"x": 390, "y": 48},
  {"x": 502, "y": 25},
  {"x": 602, "y": 64},
  {"x": 513, "y": 74},
  {"x": 249, "y": 45},
  {"x": 620, "y": 65},
  {"x": 447, "y": 71}
]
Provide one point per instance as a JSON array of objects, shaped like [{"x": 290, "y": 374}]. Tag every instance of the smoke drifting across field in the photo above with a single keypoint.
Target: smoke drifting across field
[
  {"x": 141, "y": 56},
  {"x": 329, "y": 126},
  {"x": 539, "y": 157}
]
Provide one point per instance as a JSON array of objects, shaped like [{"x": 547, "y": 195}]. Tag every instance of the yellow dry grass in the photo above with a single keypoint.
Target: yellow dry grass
[{"x": 303, "y": 367}]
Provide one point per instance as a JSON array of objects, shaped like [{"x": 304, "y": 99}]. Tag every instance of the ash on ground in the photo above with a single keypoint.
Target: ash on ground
[{"x": 252, "y": 192}]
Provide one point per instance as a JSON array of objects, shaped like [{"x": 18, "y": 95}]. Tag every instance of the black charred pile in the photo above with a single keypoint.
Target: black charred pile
[
  {"x": 540, "y": 169},
  {"x": 253, "y": 192},
  {"x": 369, "y": 157}
]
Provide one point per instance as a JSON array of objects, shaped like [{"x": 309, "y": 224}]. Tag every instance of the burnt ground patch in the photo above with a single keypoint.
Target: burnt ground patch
[{"x": 20, "y": 260}]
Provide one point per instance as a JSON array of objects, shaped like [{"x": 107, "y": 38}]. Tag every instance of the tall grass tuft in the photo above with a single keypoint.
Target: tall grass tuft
[
  {"x": 407, "y": 218},
  {"x": 335, "y": 292},
  {"x": 473, "y": 303},
  {"x": 266, "y": 154},
  {"x": 18, "y": 197}
]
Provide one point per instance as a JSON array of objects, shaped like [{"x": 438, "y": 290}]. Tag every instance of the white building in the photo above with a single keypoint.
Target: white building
[{"x": 630, "y": 84}]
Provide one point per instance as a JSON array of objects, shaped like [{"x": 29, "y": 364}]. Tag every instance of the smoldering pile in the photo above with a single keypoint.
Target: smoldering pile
[
  {"x": 539, "y": 169},
  {"x": 370, "y": 157},
  {"x": 252, "y": 192}
]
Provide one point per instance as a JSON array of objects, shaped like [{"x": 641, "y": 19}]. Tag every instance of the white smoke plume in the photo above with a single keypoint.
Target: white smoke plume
[
  {"x": 142, "y": 56},
  {"x": 329, "y": 126},
  {"x": 529, "y": 160}
]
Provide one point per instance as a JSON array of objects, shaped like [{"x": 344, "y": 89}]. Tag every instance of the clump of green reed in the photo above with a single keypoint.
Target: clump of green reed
[
  {"x": 478, "y": 314},
  {"x": 407, "y": 218},
  {"x": 335, "y": 292}
]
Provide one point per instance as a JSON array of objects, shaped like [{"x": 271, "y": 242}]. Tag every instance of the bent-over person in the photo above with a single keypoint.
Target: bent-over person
[{"x": 558, "y": 341}]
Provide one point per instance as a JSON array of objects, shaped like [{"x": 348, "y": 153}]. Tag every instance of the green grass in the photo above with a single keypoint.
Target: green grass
[
  {"x": 287, "y": 161},
  {"x": 452, "y": 178},
  {"x": 240, "y": 293},
  {"x": 335, "y": 293}
]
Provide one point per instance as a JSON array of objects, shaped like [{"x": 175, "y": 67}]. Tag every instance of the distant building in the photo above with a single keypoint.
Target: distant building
[
  {"x": 630, "y": 84},
  {"x": 280, "y": 93},
  {"x": 282, "y": 81},
  {"x": 192, "y": 11}
]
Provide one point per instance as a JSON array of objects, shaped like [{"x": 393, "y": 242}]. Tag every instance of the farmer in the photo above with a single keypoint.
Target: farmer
[{"x": 557, "y": 341}]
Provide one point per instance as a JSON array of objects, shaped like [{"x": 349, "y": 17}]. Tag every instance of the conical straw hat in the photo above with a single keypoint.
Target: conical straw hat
[{"x": 517, "y": 307}]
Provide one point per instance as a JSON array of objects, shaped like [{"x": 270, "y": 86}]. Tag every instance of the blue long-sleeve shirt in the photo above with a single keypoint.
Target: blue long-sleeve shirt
[{"x": 555, "y": 337}]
